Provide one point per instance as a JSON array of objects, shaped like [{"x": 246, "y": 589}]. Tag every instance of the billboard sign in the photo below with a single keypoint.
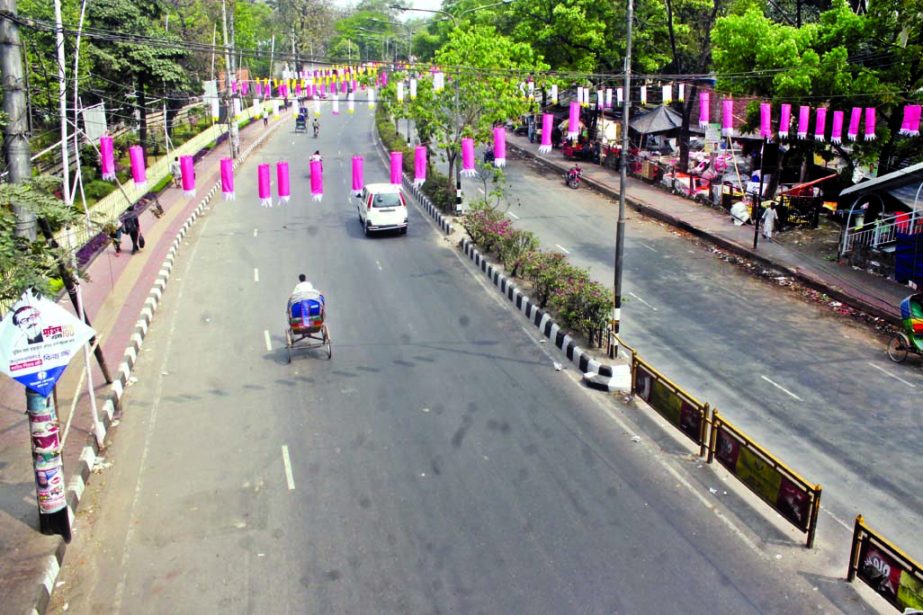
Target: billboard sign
[{"x": 38, "y": 338}]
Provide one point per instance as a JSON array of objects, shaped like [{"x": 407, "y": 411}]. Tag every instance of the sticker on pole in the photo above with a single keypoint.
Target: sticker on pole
[{"x": 38, "y": 338}]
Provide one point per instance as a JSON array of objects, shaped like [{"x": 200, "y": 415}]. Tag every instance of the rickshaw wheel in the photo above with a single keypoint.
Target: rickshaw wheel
[
  {"x": 328, "y": 343},
  {"x": 288, "y": 345},
  {"x": 897, "y": 349}
]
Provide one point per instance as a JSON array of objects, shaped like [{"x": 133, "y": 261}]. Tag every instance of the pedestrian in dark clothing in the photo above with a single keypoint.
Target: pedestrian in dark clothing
[{"x": 132, "y": 226}]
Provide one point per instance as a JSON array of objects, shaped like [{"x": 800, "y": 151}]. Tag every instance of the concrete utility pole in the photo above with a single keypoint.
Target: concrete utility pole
[
  {"x": 623, "y": 186},
  {"x": 53, "y": 513},
  {"x": 62, "y": 103},
  {"x": 233, "y": 136},
  {"x": 16, "y": 134}
]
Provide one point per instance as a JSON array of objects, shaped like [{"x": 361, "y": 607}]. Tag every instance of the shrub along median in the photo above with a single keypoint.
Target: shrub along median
[{"x": 567, "y": 291}]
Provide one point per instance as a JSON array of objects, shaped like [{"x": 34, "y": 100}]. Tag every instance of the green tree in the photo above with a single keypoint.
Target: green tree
[
  {"x": 29, "y": 264},
  {"x": 121, "y": 59},
  {"x": 843, "y": 60},
  {"x": 483, "y": 70}
]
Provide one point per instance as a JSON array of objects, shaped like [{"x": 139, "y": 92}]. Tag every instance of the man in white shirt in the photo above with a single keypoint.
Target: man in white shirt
[{"x": 303, "y": 286}]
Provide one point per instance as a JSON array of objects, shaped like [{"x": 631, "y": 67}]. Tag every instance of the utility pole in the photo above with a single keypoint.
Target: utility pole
[
  {"x": 62, "y": 102},
  {"x": 623, "y": 186},
  {"x": 16, "y": 132},
  {"x": 272, "y": 53},
  {"x": 53, "y": 518},
  {"x": 233, "y": 136}
]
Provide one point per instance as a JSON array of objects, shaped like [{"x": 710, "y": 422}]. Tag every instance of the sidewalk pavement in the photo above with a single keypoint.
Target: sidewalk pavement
[
  {"x": 874, "y": 295},
  {"x": 116, "y": 295}
]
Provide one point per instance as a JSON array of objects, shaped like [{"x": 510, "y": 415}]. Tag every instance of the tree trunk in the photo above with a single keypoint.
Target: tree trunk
[
  {"x": 684, "y": 129},
  {"x": 886, "y": 162}
]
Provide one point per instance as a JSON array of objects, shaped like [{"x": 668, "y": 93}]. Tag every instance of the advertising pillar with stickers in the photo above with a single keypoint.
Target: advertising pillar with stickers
[{"x": 38, "y": 338}]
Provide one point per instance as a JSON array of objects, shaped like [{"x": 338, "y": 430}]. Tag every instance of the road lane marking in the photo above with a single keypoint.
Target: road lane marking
[
  {"x": 255, "y": 232},
  {"x": 288, "y": 468},
  {"x": 512, "y": 215},
  {"x": 781, "y": 388},
  {"x": 561, "y": 248},
  {"x": 379, "y": 266},
  {"x": 267, "y": 340},
  {"x": 481, "y": 190},
  {"x": 887, "y": 373},
  {"x": 642, "y": 301},
  {"x": 644, "y": 245},
  {"x": 256, "y": 274}
]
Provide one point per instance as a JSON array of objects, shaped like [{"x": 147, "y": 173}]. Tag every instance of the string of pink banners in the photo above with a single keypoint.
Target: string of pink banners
[{"x": 866, "y": 117}]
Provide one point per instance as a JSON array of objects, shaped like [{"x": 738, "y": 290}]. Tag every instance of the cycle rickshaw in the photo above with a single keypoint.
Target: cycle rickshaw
[
  {"x": 911, "y": 338},
  {"x": 307, "y": 328}
]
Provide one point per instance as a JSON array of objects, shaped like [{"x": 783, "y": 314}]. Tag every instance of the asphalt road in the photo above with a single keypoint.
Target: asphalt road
[
  {"x": 438, "y": 462},
  {"x": 816, "y": 390}
]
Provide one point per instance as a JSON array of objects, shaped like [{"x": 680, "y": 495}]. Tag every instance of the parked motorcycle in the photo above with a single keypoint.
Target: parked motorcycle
[{"x": 572, "y": 177}]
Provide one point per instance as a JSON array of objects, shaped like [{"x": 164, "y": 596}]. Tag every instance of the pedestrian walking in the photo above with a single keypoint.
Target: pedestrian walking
[
  {"x": 265, "y": 118},
  {"x": 132, "y": 226},
  {"x": 769, "y": 220},
  {"x": 176, "y": 172}
]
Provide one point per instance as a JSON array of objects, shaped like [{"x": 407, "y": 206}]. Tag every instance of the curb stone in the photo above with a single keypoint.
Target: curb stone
[
  {"x": 596, "y": 375},
  {"x": 111, "y": 406}
]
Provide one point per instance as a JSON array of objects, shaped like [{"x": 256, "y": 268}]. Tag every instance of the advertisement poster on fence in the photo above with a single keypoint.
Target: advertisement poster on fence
[
  {"x": 761, "y": 477},
  {"x": 38, "y": 338}
]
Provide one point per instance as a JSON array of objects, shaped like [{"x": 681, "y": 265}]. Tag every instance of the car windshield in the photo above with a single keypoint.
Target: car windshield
[{"x": 387, "y": 199}]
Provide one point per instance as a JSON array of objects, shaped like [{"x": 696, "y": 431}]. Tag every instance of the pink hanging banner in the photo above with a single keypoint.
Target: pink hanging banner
[
  {"x": 138, "y": 169},
  {"x": 187, "y": 170},
  {"x": 852, "y": 133},
  {"x": 227, "y": 179},
  {"x": 804, "y": 116},
  {"x": 317, "y": 180},
  {"x": 704, "y": 109},
  {"x": 910, "y": 125},
  {"x": 820, "y": 124},
  {"x": 397, "y": 163},
  {"x": 785, "y": 120},
  {"x": 283, "y": 187},
  {"x": 500, "y": 146},
  {"x": 358, "y": 179},
  {"x": 870, "y": 124},
  {"x": 263, "y": 187},
  {"x": 257, "y": 89},
  {"x": 766, "y": 120},
  {"x": 245, "y": 87},
  {"x": 419, "y": 165},
  {"x": 298, "y": 90},
  {"x": 468, "y": 169},
  {"x": 547, "y": 128},
  {"x": 727, "y": 117},
  {"x": 106, "y": 158},
  {"x": 573, "y": 121},
  {"x": 836, "y": 133}
]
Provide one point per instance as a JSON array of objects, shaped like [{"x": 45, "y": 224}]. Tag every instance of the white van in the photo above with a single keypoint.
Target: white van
[{"x": 382, "y": 208}]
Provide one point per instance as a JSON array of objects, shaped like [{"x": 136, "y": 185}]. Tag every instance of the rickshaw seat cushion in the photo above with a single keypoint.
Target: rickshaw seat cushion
[{"x": 300, "y": 309}]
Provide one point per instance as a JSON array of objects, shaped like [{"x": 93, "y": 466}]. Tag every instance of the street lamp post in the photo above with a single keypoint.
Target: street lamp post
[{"x": 623, "y": 181}]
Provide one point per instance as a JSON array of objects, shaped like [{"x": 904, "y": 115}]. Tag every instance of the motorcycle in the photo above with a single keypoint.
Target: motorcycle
[{"x": 572, "y": 177}]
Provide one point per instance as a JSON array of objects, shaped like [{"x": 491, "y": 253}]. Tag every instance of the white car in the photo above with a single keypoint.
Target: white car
[{"x": 382, "y": 207}]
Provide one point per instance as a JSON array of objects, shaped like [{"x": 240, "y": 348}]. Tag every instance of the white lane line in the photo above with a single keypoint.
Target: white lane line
[
  {"x": 561, "y": 248},
  {"x": 781, "y": 388},
  {"x": 255, "y": 232},
  {"x": 481, "y": 190},
  {"x": 268, "y": 342},
  {"x": 288, "y": 468},
  {"x": 887, "y": 373},
  {"x": 256, "y": 274},
  {"x": 644, "y": 245},
  {"x": 512, "y": 215},
  {"x": 379, "y": 266},
  {"x": 642, "y": 301}
]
